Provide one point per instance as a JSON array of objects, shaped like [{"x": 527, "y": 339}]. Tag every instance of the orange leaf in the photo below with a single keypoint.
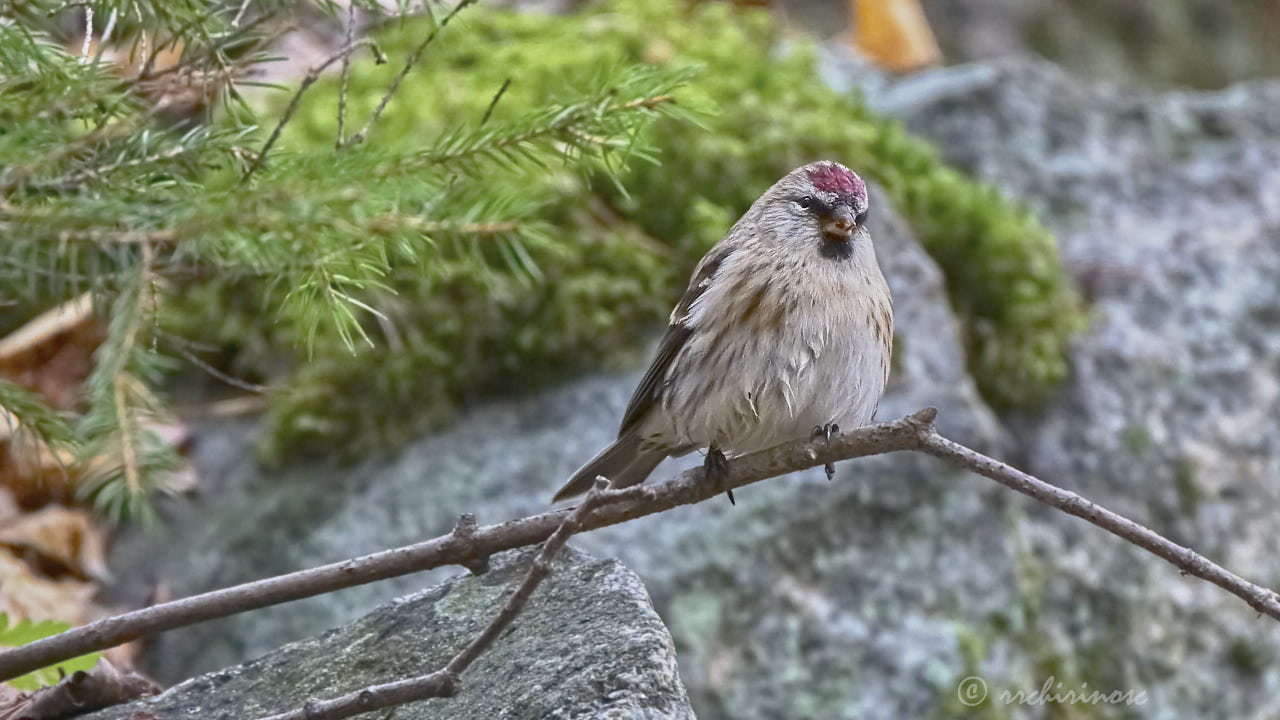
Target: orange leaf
[{"x": 894, "y": 33}]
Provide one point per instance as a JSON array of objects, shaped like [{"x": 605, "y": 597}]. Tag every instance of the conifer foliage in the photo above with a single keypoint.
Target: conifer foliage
[{"x": 136, "y": 166}]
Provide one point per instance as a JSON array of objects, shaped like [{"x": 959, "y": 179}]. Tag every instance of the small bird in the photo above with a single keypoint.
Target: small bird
[{"x": 785, "y": 332}]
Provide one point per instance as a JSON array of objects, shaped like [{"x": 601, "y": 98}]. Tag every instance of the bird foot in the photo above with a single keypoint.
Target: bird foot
[
  {"x": 825, "y": 432},
  {"x": 716, "y": 467}
]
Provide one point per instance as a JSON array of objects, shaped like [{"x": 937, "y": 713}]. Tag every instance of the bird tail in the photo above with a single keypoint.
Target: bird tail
[{"x": 623, "y": 462}]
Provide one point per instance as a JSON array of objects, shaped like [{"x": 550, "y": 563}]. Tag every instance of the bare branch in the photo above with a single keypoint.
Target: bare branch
[
  {"x": 88, "y": 33},
  {"x": 346, "y": 73},
  {"x": 541, "y": 567},
  {"x": 235, "y": 21},
  {"x": 412, "y": 60},
  {"x": 312, "y": 76},
  {"x": 465, "y": 547},
  {"x": 217, "y": 374},
  {"x": 445, "y": 682},
  {"x": 1264, "y": 600},
  {"x": 494, "y": 102},
  {"x": 460, "y": 547}
]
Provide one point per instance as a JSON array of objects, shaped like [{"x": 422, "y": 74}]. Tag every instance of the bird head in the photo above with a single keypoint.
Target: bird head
[{"x": 823, "y": 200}]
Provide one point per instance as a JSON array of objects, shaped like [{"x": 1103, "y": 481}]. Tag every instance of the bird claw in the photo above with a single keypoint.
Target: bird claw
[
  {"x": 716, "y": 467},
  {"x": 825, "y": 432}
]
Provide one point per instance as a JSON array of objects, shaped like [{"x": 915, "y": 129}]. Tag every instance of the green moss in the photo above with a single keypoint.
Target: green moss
[
  {"x": 1184, "y": 481},
  {"x": 616, "y": 257},
  {"x": 1250, "y": 656},
  {"x": 1137, "y": 438}
]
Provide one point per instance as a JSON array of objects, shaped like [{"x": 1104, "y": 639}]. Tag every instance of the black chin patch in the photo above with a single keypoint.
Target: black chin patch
[{"x": 836, "y": 249}]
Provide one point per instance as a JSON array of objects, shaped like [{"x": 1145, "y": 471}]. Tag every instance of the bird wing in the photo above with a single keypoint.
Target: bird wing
[{"x": 647, "y": 393}]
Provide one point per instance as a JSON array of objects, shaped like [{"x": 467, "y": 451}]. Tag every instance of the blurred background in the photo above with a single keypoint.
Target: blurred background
[{"x": 262, "y": 308}]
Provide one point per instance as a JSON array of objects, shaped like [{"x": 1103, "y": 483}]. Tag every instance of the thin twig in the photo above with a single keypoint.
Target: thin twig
[
  {"x": 142, "y": 52},
  {"x": 346, "y": 72},
  {"x": 88, "y": 34},
  {"x": 218, "y": 374},
  {"x": 106, "y": 36},
  {"x": 1262, "y": 599},
  {"x": 312, "y": 75},
  {"x": 235, "y": 21},
  {"x": 494, "y": 102},
  {"x": 914, "y": 432},
  {"x": 409, "y": 63},
  {"x": 445, "y": 682},
  {"x": 541, "y": 567}
]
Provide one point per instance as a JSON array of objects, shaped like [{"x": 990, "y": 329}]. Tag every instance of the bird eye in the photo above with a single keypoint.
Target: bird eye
[{"x": 805, "y": 202}]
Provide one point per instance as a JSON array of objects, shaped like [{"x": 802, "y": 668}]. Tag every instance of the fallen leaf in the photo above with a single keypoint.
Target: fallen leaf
[
  {"x": 100, "y": 686},
  {"x": 23, "y": 594},
  {"x": 59, "y": 540},
  {"x": 52, "y": 354},
  {"x": 894, "y": 33}
]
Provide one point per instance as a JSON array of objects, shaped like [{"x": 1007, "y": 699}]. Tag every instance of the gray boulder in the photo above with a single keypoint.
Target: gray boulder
[
  {"x": 588, "y": 645},
  {"x": 1202, "y": 43},
  {"x": 1167, "y": 210}
]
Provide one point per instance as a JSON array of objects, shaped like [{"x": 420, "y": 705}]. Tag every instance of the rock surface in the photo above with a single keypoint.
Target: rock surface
[
  {"x": 873, "y": 596},
  {"x": 1203, "y": 43},
  {"x": 588, "y": 645},
  {"x": 1167, "y": 208}
]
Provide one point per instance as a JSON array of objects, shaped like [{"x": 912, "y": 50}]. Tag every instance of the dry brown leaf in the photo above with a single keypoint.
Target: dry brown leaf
[
  {"x": 8, "y": 506},
  {"x": 894, "y": 33},
  {"x": 23, "y": 594},
  {"x": 53, "y": 353},
  {"x": 13, "y": 702},
  {"x": 62, "y": 539},
  {"x": 101, "y": 686}
]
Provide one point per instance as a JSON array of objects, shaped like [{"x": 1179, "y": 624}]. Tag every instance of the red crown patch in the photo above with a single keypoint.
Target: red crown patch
[{"x": 833, "y": 178}]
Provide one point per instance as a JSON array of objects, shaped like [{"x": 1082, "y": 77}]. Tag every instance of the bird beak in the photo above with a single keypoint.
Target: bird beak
[{"x": 839, "y": 224}]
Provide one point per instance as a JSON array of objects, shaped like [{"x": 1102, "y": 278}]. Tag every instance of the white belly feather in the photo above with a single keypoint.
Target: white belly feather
[{"x": 821, "y": 361}]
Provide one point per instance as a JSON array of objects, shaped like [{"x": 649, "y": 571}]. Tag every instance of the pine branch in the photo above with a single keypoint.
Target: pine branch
[
  {"x": 116, "y": 368},
  {"x": 471, "y": 547},
  {"x": 121, "y": 459},
  {"x": 574, "y": 124},
  {"x": 346, "y": 74},
  {"x": 22, "y": 411}
]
